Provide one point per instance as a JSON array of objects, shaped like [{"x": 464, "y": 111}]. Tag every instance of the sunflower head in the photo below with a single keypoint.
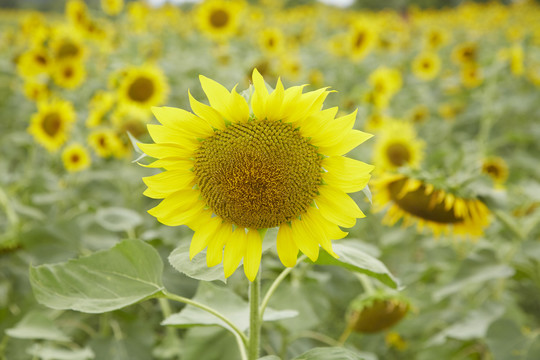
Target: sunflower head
[
  {"x": 233, "y": 170},
  {"x": 496, "y": 168},
  {"x": 465, "y": 53},
  {"x": 69, "y": 74},
  {"x": 50, "y": 126},
  {"x": 377, "y": 312},
  {"x": 397, "y": 146},
  {"x": 219, "y": 19},
  {"x": 75, "y": 158},
  {"x": 426, "y": 66},
  {"x": 360, "y": 40},
  {"x": 143, "y": 87},
  {"x": 418, "y": 201}
]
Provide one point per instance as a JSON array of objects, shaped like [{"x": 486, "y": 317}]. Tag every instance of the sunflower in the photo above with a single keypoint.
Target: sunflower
[
  {"x": 112, "y": 7},
  {"x": 75, "y": 158},
  {"x": 426, "y": 66},
  {"x": 104, "y": 142},
  {"x": 471, "y": 75},
  {"x": 465, "y": 53},
  {"x": 34, "y": 62},
  {"x": 234, "y": 170},
  {"x": 69, "y": 74},
  {"x": 67, "y": 47},
  {"x": 435, "y": 38},
  {"x": 397, "y": 146},
  {"x": 361, "y": 39},
  {"x": 496, "y": 168},
  {"x": 418, "y": 201},
  {"x": 143, "y": 87},
  {"x": 77, "y": 12},
  {"x": 418, "y": 114},
  {"x": 51, "y": 124},
  {"x": 218, "y": 19},
  {"x": 376, "y": 312},
  {"x": 272, "y": 41},
  {"x": 36, "y": 90}
]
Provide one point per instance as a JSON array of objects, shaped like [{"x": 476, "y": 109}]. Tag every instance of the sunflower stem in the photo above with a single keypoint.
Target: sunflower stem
[
  {"x": 210, "y": 310},
  {"x": 254, "y": 318},
  {"x": 366, "y": 283},
  {"x": 275, "y": 285}
]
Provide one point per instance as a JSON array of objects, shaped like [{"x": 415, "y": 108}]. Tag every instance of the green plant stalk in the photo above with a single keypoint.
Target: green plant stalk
[
  {"x": 208, "y": 309},
  {"x": 254, "y": 318},
  {"x": 275, "y": 285},
  {"x": 366, "y": 283}
]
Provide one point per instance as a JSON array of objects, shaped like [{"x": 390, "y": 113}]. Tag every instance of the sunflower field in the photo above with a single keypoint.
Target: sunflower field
[{"x": 233, "y": 179}]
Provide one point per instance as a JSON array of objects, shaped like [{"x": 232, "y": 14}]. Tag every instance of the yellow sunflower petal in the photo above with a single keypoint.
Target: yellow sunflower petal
[
  {"x": 304, "y": 241},
  {"x": 182, "y": 120},
  {"x": 349, "y": 142},
  {"x": 212, "y": 117},
  {"x": 345, "y": 173},
  {"x": 160, "y": 151},
  {"x": 286, "y": 247},
  {"x": 162, "y": 134},
  {"x": 337, "y": 206},
  {"x": 202, "y": 235},
  {"x": 214, "y": 254},
  {"x": 235, "y": 250},
  {"x": 252, "y": 259},
  {"x": 170, "y": 181}
]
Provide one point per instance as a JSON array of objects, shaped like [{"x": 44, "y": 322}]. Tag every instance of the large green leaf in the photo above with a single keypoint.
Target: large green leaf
[
  {"x": 473, "y": 326},
  {"x": 195, "y": 268},
  {"x": 508, "y": 342},
  {"x": 330, "y": 353},
  {"x": 36, "y": 325},
  {"x": 104, "y": 281},
  {"x": 48, "y": 352},
  {"x": 224, "y": 301},
  {"x": 352, "y": 257}
]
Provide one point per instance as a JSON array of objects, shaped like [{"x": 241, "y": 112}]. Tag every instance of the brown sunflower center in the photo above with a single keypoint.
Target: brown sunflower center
[
  {"x": 258, "y": 174},
  {"x": 51, "y": 123},
  {"x": 75, "y": 158},
  {"x": 67, "y": 49},
  {"x": 141, "y": 89},
  {"x": 398, "y": 154},
  {"x": 219, "y": 18},
  {"x": 419, "y": 204},
  {"x": 492, "y": 170},
  {"x": 359, "y": 39}
]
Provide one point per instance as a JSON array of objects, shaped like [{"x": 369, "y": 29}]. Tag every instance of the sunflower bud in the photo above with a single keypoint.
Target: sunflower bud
[{"x": 374, "y": 313}]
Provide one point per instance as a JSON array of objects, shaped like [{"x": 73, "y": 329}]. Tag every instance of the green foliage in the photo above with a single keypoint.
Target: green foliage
[{"x": 104, "y": 281}]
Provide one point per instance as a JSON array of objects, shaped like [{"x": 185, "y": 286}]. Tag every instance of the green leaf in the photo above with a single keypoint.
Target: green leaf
[
  {"x": 473, "y": 326},
  {"x": 104, "y": 281},
  {"x": 224, "y": 301},
  {"x": 269, "y": 357},
  {"x": 46, "y": 352},
  {"x": 195, "y": 268},
  {"x": 351, "y": 257},
  {"x": 36, "y": 325},
  {"x": 330, "y": 353},
  {"x": 507, "y": 341},
  {"x": 118, "y": 219}
]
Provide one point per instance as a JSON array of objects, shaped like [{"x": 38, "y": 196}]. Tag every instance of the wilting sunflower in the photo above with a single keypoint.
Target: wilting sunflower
[
  {"x": 51, "y": 124},
  {"x": 496, "y": 168},
  {"x": 373, "y": 313},
  {"x": 426, "y": 66},
  {"x": 396, "y": 146},
  {"x": 219, "y": 19},
  {"x": 75, "y": 157},
  {"x": 143, "y": 87},
  {"x": 418, "y": 201},
  {"x": 233, "y": 170}
]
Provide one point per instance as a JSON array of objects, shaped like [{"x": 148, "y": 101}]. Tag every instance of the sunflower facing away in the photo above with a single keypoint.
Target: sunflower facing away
[
  {"x": 233, "y": 169},
  {"x": 417, "y": 201}
]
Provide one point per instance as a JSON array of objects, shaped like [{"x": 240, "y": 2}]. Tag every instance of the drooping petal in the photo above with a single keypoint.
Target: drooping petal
[
  {"x": 286, "y": 247},
  {"x": 252, "y": 259},
  {"x": 235, "y": 250}
]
